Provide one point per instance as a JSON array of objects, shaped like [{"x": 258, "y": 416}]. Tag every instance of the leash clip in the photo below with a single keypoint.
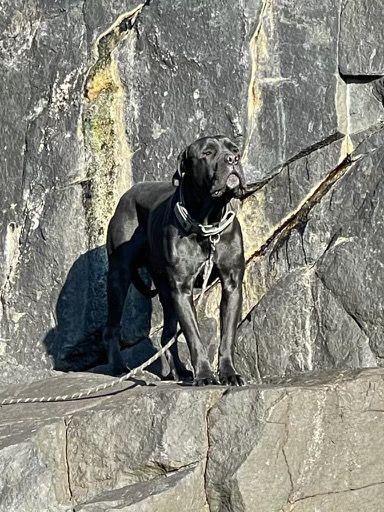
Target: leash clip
[{"x": 214, "y": 239}]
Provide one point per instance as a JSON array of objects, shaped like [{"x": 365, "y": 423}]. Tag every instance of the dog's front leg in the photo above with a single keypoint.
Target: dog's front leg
[
  {"x": 183, "y": 302},
  {"x": 230, "y": 308}
]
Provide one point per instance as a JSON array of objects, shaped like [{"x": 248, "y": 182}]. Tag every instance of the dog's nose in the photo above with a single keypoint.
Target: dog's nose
[{"x": 231, "y": 159}]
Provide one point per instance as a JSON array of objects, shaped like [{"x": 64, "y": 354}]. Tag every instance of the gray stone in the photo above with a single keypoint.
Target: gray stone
[
  {"x": 311, "y": 441},
  {"x": 301, "y": 446},
  {"x": 313, "y": 310},
  {"x": 299, "y": 326},
  {"x": 360, "y": 26},
  {"x": 364, "y": 108},
  {"x": 179, "y": 92},
  {"x": 354, "y": 251},
  {"x": 52, "y": 274},
  {"x": 125, "y": 96},
  {"x": 179, "y": 491},
  {"x": 74, "y": 451},
  {"x": 293, "y": 91},
  {"x": 41, "y": 98}
]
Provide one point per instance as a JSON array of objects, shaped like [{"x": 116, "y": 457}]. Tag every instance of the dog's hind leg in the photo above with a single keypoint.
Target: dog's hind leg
[
  {"x": 121, "y": 264},
  {"x": 118, "y": 282}
]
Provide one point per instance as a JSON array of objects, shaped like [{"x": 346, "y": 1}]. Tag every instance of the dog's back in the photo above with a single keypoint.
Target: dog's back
[{"x": 133, "y": 210}]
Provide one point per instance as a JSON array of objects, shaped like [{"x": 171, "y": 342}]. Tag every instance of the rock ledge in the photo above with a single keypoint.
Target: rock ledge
[{"x": 307, "y": 444}]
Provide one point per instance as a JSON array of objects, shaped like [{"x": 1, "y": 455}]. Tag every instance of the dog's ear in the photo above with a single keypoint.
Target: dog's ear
[{"x": 181, "y": 168}]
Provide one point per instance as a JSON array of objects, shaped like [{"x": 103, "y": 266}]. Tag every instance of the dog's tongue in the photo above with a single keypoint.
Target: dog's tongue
[{"x": 233, "y": 181}]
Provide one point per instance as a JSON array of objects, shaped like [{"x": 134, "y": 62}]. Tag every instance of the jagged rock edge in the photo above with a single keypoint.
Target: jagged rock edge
[{"x": 298, "y": 215}]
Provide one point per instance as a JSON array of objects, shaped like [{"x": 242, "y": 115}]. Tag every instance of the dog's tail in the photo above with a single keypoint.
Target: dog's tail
[{"x": 142, "y": 287}]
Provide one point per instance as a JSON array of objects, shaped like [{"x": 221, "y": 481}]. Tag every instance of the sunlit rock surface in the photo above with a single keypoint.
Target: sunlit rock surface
[
  {"x": 98, "y": 95},
  {"x": 303, "y": 445}
]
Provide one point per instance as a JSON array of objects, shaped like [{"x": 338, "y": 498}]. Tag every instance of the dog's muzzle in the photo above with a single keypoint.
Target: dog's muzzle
[
  {"x": 229, "y": 176},
  {"x": 233, "y": 181}
]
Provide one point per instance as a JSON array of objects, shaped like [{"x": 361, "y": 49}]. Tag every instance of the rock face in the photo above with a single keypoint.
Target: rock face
[
  {"x": 98, "y": 95},
  {"x": 322, "y": 305},
  {"x": 359, "y": 53},
  {"x": 306, "y": 445}
]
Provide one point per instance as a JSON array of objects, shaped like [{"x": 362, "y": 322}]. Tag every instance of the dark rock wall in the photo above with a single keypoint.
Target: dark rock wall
[{"x": 98, "y": 95}]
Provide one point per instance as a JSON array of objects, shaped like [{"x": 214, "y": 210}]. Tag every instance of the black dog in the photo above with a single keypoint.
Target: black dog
[{"x": 171, "y": 232}]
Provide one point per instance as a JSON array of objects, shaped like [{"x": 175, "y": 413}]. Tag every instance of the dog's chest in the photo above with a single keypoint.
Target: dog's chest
[
  {"x": 190, "y": 253},
  {"x": 183, "y": 256}
]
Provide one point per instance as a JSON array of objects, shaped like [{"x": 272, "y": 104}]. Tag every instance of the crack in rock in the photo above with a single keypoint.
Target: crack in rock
[
  {"x": 314, "y": 147},
  {"x": 108, "y": 173},
  {"x": 330, "y": 493},
  {"x": 210, "y": 407},
  {"x": 358, "y": 79},
  {"x": 285, "y": 442},
  {"x": 298, "y": 216},
  {"x": 253, "y": 94},
  {"x": 67, "y": 422}
]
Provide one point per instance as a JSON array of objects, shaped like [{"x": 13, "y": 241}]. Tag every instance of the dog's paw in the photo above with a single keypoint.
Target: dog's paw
[
  {"x": 205, "y": 379},
  {"x": 184, "y": 375},
  {"x": 208, "y": 381},
  {"x": 231, "y": 379}
]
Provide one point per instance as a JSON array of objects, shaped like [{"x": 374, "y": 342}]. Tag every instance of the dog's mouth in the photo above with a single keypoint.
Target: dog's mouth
[{"x": 233, "y": 181}]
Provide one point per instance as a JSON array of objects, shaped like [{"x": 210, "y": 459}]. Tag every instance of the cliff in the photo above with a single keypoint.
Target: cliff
[{"x": 98, "y": 95}]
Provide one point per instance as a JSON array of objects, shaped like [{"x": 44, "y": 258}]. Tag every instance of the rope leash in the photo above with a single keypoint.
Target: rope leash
[
  {"x": 90, "y": 391},
  {"x": 208, "y": 265}
]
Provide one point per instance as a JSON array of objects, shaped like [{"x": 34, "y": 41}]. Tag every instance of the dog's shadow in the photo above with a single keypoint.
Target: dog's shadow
[{"x": 75, "y": 343}]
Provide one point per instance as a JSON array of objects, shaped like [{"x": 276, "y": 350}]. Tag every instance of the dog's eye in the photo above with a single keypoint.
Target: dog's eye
[{"x": 207, "y": 153}]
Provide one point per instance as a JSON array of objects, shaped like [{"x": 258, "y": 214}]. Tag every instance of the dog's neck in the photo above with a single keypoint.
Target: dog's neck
[{"x": 199, "y": 203}]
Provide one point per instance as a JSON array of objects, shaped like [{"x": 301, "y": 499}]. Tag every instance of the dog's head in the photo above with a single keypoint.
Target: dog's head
[{"x": 214, "y": 165}]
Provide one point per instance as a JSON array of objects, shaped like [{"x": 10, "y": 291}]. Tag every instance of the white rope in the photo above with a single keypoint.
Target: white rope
[
  {"x": 90, "y": 391},
  {"x": 208, "y": 264}
]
